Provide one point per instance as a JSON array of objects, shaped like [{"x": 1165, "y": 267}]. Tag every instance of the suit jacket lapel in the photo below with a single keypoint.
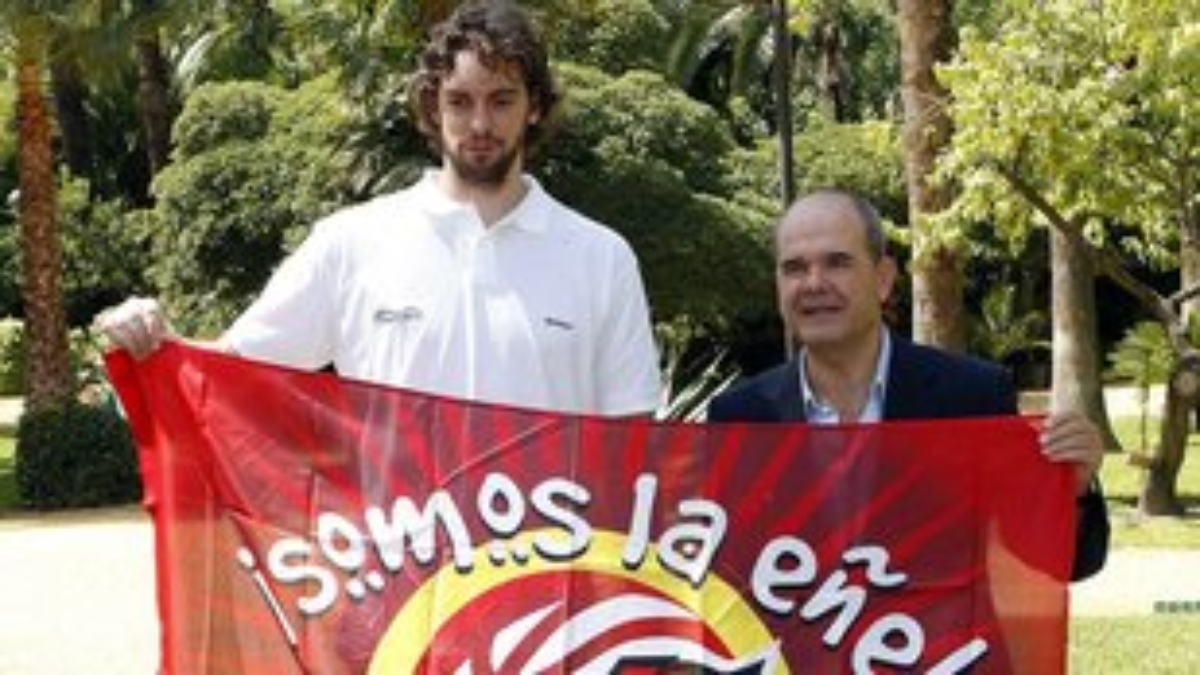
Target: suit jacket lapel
[
  {"x": 907, "y": 380},
  {"x": 785, "y": 393}
]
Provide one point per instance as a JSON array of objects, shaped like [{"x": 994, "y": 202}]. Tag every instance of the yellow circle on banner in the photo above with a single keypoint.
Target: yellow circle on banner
[{"x": 722, "y": 609}]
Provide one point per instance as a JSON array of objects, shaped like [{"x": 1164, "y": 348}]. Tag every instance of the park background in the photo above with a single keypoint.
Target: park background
[{"x": 1037, "y": 163}]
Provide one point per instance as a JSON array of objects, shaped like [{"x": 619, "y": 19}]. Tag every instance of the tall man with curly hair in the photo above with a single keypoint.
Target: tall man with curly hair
[{"x": 473, "y": 282}]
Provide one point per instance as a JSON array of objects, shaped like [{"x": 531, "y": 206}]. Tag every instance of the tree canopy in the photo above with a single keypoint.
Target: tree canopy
[{"x": 1088, "y": 111}]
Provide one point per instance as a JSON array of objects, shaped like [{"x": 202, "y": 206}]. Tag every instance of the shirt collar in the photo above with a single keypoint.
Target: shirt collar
[
  {"x": 530, "y": 214},
  {"x": 817, "y": 411}
]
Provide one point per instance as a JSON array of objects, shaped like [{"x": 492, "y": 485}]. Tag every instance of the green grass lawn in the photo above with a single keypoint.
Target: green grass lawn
[
  {"x": 1123, "y": 483},
  {"x": 8, "y": 479},
  {"x": 1159, "y": 644}
]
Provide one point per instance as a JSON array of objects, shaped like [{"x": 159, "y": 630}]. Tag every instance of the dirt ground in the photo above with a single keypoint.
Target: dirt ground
[{"x": 78, "y": 594}]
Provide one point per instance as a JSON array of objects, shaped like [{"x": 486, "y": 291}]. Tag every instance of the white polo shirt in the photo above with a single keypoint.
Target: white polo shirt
[{"x": 545, "y": 309}]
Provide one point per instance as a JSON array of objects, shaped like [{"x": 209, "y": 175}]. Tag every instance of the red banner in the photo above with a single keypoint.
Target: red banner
[{"x": 308, "y": 524}]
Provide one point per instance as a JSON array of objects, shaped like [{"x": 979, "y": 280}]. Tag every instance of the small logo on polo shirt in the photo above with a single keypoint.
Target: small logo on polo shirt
[
  {"x": 560, "y": 324},
  {"x": 387, "y": 315}
]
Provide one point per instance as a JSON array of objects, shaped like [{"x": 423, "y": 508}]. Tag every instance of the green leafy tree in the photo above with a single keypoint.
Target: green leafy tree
[
  {"x": 1085, "y": 116},
  {"x": 864, "y": 156},
  {"x": 622, "y": 158},
  {"x": 104, "y": 251},
  {"x": 612, "y": 35},
  {"x": 255, "y": 166},
  {"x": 637, "y": 153}
]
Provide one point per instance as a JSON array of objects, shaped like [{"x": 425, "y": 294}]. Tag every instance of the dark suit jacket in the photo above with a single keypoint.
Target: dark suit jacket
[{"x": 922, "y": 383}]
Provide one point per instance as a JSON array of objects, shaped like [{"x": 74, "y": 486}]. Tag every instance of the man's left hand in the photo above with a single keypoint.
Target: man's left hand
[{"x": 1072, "y": 437}]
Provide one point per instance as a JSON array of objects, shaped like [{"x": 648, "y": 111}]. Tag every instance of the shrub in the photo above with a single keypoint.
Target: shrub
[
  {"x": 86, "y": 357},
  {"x": 12, "y": 357},
  {"x": 76, "y": 455},
  {"x": 255, "y": 165}
]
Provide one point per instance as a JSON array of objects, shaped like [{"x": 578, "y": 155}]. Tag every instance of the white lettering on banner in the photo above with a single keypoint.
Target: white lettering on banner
[
  {"x": 691, "y": 547},
  {"x": 502, "y": 509},
  {"x": 786, "y": 580},
  {"x": 545, "y": 502},
  {"x": 281, "y": 566},
  {"x": 406, "y": 523},
  {"x": 788, "y": 563},
  {"x": 645, "y": 488}
]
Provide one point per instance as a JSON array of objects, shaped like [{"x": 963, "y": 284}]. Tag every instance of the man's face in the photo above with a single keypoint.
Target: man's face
[
  {"x": 830, "y": 289},
  {"x": 483, "y": 115}
]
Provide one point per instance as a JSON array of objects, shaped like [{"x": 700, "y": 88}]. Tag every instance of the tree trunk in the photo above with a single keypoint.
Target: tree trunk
[
  {"x": 937, "y": 299},
  {"x": 1189, "y": 277},
  {"x": 50, "y": 379},
  {"x": 70, "y": 107},
  {"x": 1076, "y": 382},
  {"x": 1158, "y": 496},
  {"x": 782, "y": 85},
  {"x": 154, "y": 101},
  {"x": 926, "y": 38},
  {"x": 1189, "y": 258},
  {"x": 832, "y": 72}
]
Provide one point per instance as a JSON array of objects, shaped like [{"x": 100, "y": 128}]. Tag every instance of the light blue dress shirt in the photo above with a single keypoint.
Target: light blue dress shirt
[{"x": 817, "y": 411}]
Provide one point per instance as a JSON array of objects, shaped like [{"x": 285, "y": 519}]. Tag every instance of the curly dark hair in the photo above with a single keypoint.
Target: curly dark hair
[{"x": 500, "y": 33}]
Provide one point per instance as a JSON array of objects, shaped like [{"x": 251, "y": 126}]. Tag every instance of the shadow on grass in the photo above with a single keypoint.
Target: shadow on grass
[{"x": 1190, "y": 504}]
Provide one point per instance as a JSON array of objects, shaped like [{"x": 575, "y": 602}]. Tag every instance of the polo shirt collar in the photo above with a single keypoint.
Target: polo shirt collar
[{"x": 530, "y": 214}]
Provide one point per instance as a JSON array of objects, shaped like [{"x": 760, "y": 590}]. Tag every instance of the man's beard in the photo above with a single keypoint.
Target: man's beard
[{"x": 489, "y": 175}]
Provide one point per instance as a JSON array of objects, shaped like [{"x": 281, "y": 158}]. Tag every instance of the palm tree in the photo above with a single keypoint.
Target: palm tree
[
  {"x": 51, "y": 381},
  {"x": 156, "y": 105},
  {"x": 729, "y": 49},
  {"x": 70, "y": 106},
  {"x": 95, "y": 49}
]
